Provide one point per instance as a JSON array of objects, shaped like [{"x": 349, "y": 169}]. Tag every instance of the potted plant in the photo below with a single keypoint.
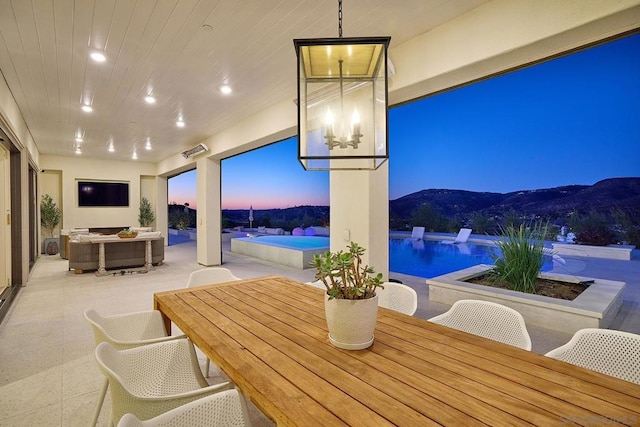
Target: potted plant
[
  {"x": 146, "y": 215},
  {"x": 351, "y": 304},
  {"x": 521, "y": 257},
  {"x": 50, "y": 216}
]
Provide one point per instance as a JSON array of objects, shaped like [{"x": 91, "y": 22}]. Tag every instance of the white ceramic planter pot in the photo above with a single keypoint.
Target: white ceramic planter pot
[{"x": 351, "y": 322}]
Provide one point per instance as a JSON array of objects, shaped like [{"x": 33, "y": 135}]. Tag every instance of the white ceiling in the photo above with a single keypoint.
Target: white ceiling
[{"x": 180, "y": 50}]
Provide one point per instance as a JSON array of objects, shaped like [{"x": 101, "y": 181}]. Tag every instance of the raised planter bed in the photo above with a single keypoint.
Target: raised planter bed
[
  {"x": 622, "y": 252},
  {"x": 596, "y": 307}
]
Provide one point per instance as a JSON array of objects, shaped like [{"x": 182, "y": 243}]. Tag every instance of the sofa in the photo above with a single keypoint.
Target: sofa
[
  {"x": 83, "y": 254},
  {"x": 272, "y": 231}
]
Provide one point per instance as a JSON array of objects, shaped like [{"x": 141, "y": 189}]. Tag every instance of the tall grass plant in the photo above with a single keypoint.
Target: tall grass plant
[{"x": 521, "y": 256}]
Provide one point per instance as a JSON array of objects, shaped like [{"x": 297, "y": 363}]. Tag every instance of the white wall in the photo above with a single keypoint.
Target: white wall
[{"x": 74, "y": 168}]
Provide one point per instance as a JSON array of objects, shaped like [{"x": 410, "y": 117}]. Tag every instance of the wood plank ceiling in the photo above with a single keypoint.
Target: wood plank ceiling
[{"x": 181, "y": 52}]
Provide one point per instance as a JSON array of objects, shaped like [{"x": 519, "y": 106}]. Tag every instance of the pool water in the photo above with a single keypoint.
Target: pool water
[
  {"x": 292, "y": 242},
  {"x": 425, "y": 258}
]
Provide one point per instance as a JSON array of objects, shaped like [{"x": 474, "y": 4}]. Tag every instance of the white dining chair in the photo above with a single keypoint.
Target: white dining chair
[
  {"x": 608, "y": 351},
  {"x": 487, "y": 319},
  {"x": 223, "y": 409},
  {"x": 124, "y": 331},
  {"x": 210, "y": 276},
  {"x": 398, "y": 297},
  {"x": 317, "y": 284},
  {"x": 149, "y": 380}
]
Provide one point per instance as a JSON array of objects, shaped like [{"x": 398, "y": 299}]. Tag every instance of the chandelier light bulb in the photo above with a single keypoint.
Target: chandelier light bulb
[
  {"x": 355, "y": 122},
  {"x": 328, "y": 118}
]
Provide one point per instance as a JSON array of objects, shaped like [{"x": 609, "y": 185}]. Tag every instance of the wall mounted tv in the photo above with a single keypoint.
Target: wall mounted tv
[{"x": 103, "y": 193}]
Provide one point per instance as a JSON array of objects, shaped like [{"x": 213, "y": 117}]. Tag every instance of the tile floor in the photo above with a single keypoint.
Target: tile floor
[{"x": 48, "y": 375}]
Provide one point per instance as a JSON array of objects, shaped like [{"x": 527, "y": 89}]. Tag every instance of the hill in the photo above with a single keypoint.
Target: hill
[
  {"x": 287, "y": 218},
  {"x": 460, "y": 206},
  {"x": 622, "y": 193}
]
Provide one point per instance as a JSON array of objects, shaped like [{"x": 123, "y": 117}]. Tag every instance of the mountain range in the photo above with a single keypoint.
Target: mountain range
[
  {"x": 622, "y": 193},
  {"x": 556, "y": 202}
]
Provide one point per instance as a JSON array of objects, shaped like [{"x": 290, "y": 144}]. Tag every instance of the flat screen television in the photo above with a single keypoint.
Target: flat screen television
[{"x": 103, "y": 193}]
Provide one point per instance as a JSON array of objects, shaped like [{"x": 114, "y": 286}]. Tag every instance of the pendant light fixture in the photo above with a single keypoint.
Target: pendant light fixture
[{"x": 342, "y": 101}]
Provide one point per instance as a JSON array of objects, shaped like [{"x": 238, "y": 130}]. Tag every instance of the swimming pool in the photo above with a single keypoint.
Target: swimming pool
[
  {"x": 292, "y": 251},
  {"x": 421, "y": 258},
  {"x": 292, "y": 242},
  {"x": 428, "y": 258}
]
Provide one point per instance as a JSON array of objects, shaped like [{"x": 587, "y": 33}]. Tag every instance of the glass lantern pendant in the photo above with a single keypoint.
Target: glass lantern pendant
[{"x": 342, "y": 102}]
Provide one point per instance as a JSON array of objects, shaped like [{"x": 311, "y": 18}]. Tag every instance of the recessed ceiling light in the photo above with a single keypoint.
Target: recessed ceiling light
[
  {"x": 111, "y": 148},
  {"x": 148, "y": 144},
  {"x": 226, "y": 89},
  {"x": 87, "y": 108},
  {"x": 135, "y": 155},
  {"x": 79, "y": 139},
  {"x": 98, "y": 56},
  {"x": 78, "y": 151},
  {"x": 180, "y": 123},
  {"x": 149, "y": 99}
]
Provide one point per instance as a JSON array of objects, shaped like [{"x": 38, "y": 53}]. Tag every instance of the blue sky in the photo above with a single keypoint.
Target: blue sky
[{"x": 572, "y": 120}]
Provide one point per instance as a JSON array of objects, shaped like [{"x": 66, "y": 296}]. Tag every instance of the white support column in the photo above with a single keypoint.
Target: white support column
[
  {"x": 208, "y": 183},
  {"x": 360, "y": 213},
  {"x": 161, "y": 211}
]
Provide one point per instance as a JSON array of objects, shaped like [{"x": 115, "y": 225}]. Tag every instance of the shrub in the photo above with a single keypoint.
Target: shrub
[
  {"x": 179, "y": 220},
  {"x": 629, "y": 224},
  {"x": 521, "y": 257},
  {"x": 593, "y": 229},
  {"x": 480, "y": 222},
  {"x": 454, "y": 224},
  {"x": 511, "y": 218},
  {"x": 429, "y": 218}
]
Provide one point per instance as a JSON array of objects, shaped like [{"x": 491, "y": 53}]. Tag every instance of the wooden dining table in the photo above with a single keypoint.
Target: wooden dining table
[{"x": 270, "y": 337}]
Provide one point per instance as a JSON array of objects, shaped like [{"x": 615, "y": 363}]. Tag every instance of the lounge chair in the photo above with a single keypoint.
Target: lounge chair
[
  {"x": 417, "y": 233},
  {"x": 462, "y": 237},
  {"x": 554, "y": 257}
]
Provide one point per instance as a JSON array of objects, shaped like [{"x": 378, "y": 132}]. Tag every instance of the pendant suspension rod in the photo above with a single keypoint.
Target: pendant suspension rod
[
  {"x": 341, "y": 93},
  {"x": 340, "y": 18}
]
